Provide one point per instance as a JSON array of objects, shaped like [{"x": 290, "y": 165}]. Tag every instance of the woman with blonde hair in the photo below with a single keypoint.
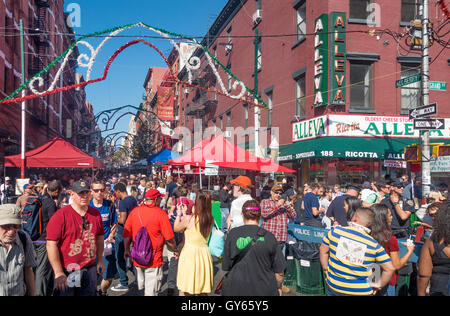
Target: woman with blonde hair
[{"x": 195, "y": 268}]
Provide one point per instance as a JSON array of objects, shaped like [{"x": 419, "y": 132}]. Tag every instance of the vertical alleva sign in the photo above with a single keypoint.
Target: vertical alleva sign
[
  {"x": 337, "y": 59},
  {"x": 321, "y": 61}
]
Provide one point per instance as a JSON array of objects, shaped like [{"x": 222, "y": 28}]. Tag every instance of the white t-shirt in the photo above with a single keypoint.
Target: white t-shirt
[
  {"x": 366, "y": 193},
  {"x": 236, "y": 218},
  {"x": 163, "y": 200}
]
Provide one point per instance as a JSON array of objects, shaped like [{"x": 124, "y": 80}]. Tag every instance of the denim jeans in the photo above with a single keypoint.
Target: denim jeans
[
  {"x": 90, "y": 290},
  {"x": 120, "y": 260},
  {"x": 225, "y": 211}
]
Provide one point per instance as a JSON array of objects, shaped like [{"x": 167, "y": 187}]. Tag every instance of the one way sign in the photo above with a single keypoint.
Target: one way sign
[
  {"x": 429, "y": 124},
  {"x": 423, "y": 111}
]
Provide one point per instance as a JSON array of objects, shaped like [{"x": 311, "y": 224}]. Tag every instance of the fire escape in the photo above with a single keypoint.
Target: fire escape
[{"x": 37, "y": 63}]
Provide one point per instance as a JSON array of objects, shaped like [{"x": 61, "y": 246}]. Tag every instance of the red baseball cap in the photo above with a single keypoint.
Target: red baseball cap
[{"x": 152, "y": 194}]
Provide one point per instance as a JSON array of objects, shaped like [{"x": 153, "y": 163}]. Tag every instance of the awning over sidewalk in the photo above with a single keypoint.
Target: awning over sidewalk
[{"x": 350, "y": 148}]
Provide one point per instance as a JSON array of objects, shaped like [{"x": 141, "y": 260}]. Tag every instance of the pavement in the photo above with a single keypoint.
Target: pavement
[{"x": 133, "y": 290}]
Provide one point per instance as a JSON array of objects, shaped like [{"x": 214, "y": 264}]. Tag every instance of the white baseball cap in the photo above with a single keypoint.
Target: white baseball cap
[{"x": 7, "y": 179}]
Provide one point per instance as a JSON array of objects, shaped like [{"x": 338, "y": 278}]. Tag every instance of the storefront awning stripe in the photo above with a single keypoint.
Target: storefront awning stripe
[{"x": 349, "y": 147}]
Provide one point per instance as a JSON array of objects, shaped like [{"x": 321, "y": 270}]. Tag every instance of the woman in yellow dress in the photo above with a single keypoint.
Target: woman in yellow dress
[{"x": 195, "y": 268}]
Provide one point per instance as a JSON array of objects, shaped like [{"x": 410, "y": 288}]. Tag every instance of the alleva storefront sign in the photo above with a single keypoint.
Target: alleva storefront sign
[{"x": 360, "y": 126}]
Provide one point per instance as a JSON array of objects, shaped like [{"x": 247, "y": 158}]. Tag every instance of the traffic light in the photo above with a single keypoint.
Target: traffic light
[
  {"x": 441, "y": 150},
  {"x": 413, "y": 153}
]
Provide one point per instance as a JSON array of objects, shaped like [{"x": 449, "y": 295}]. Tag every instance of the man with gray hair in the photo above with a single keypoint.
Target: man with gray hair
[{"x": 17, "y": 255}]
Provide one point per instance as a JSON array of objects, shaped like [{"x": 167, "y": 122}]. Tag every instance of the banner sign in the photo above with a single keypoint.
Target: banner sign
[
  {"x": 165, "y": 103},
  {"x": 441, "y": 164},
  {"x": 373, "y": 125},
  {"x": 316, "y": 235},
  {"x": 309, "y": 129},
  {"x": 321, "y": 61},
  {"x": 337, "y": 59},
  {"x": 395, "y": 164}
]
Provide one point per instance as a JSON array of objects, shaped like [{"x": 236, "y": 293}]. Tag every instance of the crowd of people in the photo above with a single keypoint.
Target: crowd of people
[{"x": 67, "y": 230}]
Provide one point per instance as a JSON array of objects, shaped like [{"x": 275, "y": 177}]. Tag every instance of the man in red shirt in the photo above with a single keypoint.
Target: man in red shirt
[
  {"x": 159, "y": 229},
  {"x": 74, "y": 243}
]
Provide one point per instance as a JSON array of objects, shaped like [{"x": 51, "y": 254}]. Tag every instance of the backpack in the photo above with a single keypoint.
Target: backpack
[
  {"x": 143, "y": 251},
  {"x": 32, "y": 218}
]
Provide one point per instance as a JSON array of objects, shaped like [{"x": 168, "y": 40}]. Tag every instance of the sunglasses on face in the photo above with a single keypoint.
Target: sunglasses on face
[
  {"x": 278, "y": 192},
  {"x": 98, "y": 190}
]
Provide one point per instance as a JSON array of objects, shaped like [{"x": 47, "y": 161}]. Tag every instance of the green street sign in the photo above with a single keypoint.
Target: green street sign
[
  {"x": 408, "y": 80},
  {"x": 437, "y": 85}
]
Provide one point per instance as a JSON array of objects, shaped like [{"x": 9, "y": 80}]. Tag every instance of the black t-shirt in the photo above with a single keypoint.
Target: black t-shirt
[
  {"x": 337, "y": 210},
  {"x": 397, "y": 222},
  {"x": 254, "y": 275}
]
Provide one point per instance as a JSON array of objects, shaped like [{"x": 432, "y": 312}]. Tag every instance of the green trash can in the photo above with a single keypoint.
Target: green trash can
[
  {"x": 310, "y": 277},
  {"x": 290, "y": 275}
]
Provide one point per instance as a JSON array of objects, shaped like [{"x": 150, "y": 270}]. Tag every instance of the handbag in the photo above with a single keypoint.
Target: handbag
[{"x": 216, "y": 242}]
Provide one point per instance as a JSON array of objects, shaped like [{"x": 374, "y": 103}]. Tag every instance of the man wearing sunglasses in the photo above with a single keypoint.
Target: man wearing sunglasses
[
  {"x": 107, "y": 210},
  {"x": 401, "y": 210},
  {"x": 75, "y": 244}
]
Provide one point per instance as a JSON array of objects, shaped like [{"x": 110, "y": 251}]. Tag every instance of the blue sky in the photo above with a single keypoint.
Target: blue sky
[{"x": 124, "y": 84}]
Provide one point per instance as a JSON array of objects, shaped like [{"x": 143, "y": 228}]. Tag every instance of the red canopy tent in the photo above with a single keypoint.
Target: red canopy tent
[
  {"x": 221, "y": 152},
  {"x": 57, "y": 153}
]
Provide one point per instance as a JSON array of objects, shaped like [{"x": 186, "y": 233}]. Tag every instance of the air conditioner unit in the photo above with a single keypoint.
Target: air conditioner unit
[
  {"x": 227, "y": 134},
  {"x": 186, "y": 91},
  {"x": 257, "y": 16},
  {"x": 177, "y": 118}
]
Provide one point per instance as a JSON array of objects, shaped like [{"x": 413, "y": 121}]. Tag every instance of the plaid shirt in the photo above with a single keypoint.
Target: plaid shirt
[{"x": 275, "y": 218}]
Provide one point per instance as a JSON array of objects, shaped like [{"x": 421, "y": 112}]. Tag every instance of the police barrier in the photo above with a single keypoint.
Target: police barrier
[{"x": 314, "y": 234}]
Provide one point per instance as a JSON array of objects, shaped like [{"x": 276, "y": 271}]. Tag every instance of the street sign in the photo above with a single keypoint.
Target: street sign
[
  {"x": 438, "y": 85},
  {"x": 408, "y": 80},
  {"x": 423, "y": 111},
  {"x": 429, "y": 124}
]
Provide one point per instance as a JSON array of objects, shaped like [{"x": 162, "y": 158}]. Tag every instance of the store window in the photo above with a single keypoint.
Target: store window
[
  {"x": 358, "y": 9},
  {"x": 300, "y": 21},
  {"x": 410, "y": 10},
  {"x": 361, "y": 85},
  {"x": 300, "y": 106},
  {"x": 410, "y": 94}
]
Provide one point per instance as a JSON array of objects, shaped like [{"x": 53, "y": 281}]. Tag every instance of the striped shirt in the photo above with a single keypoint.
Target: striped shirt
[
  {"x": 12, "y": 263},
  {"x": 352, "y": 252}
]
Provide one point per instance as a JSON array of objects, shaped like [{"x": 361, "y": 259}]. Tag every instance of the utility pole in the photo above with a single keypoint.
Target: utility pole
[
  {"x": 255, "y": 91},
  {"x": 426, "y": 170},
  {"x": 22, "y": 55}
]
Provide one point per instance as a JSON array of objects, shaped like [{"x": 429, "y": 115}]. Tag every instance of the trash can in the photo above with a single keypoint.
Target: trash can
[
  {"x": 290, "y": 274},
  {"x": 310, "y": 279}
]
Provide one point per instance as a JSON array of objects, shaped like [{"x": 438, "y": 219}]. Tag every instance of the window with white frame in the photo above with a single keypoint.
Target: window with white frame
[
  {"x": 300, "y": 105},
  {"x": 361, "y": 85},
  {"x": 300, "y": 20},
  {"x": 411, "y": 93}
]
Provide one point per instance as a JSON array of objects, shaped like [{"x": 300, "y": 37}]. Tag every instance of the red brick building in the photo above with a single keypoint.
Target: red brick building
[
  {"x": 46, "y": 37},
  {"x": 328, "y": 83}
]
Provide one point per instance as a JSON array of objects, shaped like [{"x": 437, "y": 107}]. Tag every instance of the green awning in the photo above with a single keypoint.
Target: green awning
[{"x": 350, "y": 148}]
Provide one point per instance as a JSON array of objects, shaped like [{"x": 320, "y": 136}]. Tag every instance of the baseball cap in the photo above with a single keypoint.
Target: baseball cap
[
  {"x": 10, "y": 215},
  {"x": 366, "y": 185},
  {"x": 152, "y": 194},
  {"x": 353, "y": 187},
  {"x": 398, "y": 184},
  {"x": 243, "y": 181},
  {"x": 39, "y": 184},
  {"x": 80, "y": 186},
  {"x": 29, "y": 186},
  {"x": 7, "y": 179}
]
